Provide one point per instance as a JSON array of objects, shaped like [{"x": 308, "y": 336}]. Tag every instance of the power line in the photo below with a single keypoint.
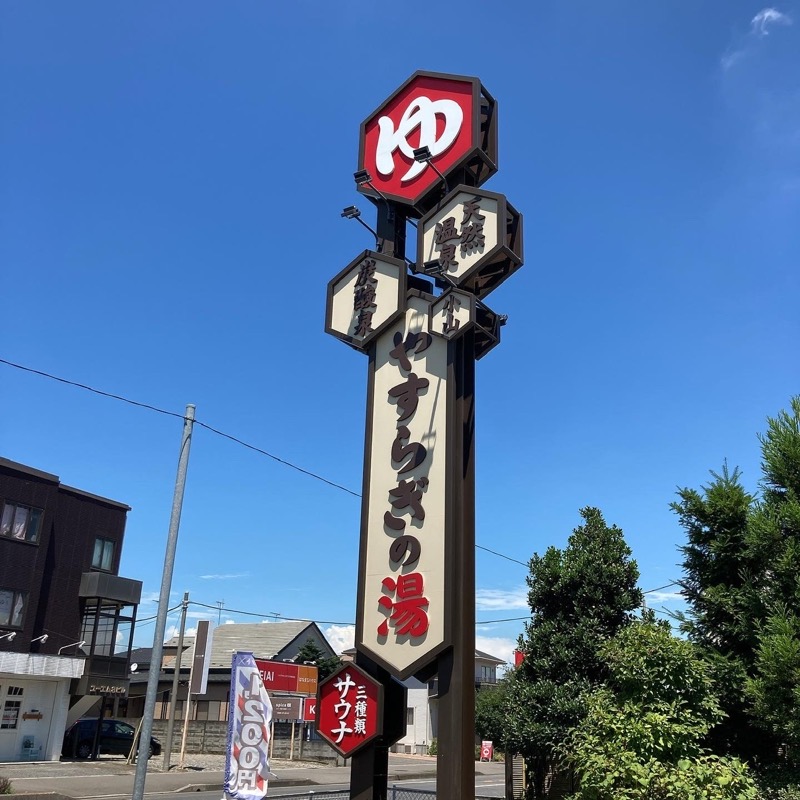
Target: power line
[
  {"x": 179, "y": 416},
  {"x": 495, "y": 553},
  {"x": 241, "y": 442}
]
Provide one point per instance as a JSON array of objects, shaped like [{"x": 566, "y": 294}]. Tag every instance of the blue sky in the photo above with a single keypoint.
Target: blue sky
[{"x": 172, "y": 177}]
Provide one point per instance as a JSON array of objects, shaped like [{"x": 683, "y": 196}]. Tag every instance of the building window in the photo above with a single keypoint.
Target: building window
[
  {"x": 12, "y": 608},
  {"x": 409, "y": 717},
  {"x": 99, "y": 627},
  {"x": 10, "y": 717},
  {"x": 20, "y": 522},
  {"x": 103, "y": 556}
]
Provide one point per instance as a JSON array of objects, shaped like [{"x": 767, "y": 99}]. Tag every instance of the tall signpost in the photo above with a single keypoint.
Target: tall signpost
[{"x": 423, "y": 154}]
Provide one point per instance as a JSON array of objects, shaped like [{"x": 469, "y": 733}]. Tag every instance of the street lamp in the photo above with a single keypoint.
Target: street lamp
[
  {"x": 9, "y": 636},
  {"x": 43, "y": 638}
]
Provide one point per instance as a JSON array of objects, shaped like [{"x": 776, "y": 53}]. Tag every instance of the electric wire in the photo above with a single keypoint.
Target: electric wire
[
  {"x": 197, "y": 422},
  {"x": 241, "y": 442}
]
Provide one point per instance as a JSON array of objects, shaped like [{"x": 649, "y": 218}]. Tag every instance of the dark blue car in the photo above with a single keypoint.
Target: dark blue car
[{"x": 116, "y": 738}]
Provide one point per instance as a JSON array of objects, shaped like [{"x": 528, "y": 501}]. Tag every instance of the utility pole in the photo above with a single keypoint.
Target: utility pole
[
  {"x": 173, "y": 698},
  {"x": 163, "y": 604}
]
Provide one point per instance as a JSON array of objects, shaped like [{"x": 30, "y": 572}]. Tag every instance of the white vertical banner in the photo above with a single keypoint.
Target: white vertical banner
[{"x": 249, "y": 719}]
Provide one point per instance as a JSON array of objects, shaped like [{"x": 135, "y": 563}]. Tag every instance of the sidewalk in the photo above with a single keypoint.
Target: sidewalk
[{"x": 112, "y": 776}]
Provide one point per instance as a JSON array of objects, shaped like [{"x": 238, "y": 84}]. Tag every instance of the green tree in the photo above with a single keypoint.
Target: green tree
[
  {"x": 773, "y": 685},
  {"x": 314, "y": 654},
  {"x": 642, "y": 735},
  {"x": 741, "y": 565},
  {"x": 579, "y": 598}
]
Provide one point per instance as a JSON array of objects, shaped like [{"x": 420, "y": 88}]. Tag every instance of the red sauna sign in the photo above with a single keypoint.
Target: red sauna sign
[{"x": 349, "y": 709}]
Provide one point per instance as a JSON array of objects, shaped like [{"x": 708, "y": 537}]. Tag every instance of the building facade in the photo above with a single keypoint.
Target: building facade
[{"x": 64, "y": 610}]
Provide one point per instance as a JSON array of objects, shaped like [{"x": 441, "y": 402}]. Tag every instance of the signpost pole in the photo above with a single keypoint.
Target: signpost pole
[
  {"x": 423, "y": 333},
  {"x": 455, "y": 763}
]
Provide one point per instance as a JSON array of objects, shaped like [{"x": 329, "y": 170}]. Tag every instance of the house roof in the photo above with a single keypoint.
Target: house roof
[
  {"x": 264, "y": 639},
  {"x": 479, "y": 656}
]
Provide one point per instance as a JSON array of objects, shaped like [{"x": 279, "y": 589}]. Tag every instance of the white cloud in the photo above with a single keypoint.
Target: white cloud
[
  {"x": 225, "y": 576},
  {"x": 761, "y": 22},
  {"x": 200, "y": 615},
  {"x": 501, "y": 599},
  {"x": 340, "y": 637},
  {"x": 664, "y": 597},
  {"x": 759, "y": 28}
]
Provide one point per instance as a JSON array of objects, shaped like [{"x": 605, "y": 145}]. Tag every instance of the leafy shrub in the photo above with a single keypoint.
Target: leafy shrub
[
  {"x": 433, "y": 747},
  {"x": 5, "y": 785}
]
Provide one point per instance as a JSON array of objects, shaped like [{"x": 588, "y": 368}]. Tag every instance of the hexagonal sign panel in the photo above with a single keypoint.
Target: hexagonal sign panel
[
  {"x": 365, "y": 297},
  {"x": 349, "y": 709},
  {"x": 456, "y": 312},
  {"x": 452, "y": 115},
  {"x": 452, "y": 315},
  {"x": 473, "y": 237}
]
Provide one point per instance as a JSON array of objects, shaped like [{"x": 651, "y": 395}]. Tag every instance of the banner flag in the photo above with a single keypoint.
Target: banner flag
[{"x": 249, "y": 720}]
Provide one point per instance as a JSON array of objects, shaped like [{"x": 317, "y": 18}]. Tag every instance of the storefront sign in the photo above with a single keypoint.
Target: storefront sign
[
  {"x": 283, "y": 676},
  {"x": 452, "y": 115},
  {"x": 400, "y": 620},
  {"x": 473, "y": 237},
  {"x": 287, "y": 709},
  {"x": 349, "y": 709},
  {"x": 365, "y": 297},
  {"x": 96, "y": 685}
]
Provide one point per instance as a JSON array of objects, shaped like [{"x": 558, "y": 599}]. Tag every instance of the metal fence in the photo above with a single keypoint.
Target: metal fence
[{"x": 393, "y": 793}]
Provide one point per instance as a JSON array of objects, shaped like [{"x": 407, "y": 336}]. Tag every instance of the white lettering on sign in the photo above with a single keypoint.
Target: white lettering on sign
[{"x": 421, "y": 113}]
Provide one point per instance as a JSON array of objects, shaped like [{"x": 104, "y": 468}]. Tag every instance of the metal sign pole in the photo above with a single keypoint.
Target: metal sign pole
[
  {"x": 423, "y": 332},
  {"x": 455, "y": 762}
]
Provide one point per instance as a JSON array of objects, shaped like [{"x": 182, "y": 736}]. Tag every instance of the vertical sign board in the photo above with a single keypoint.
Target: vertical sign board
[
  {"x": 401, "y": 619},
  {"x": 198, "y": 682}
]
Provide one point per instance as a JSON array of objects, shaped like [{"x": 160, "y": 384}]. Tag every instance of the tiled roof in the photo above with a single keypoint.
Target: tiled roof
[{"x": 264, "y": 639}]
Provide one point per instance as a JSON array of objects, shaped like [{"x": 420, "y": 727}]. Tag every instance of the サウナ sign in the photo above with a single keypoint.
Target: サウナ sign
[{"x": 349, "y": 709}]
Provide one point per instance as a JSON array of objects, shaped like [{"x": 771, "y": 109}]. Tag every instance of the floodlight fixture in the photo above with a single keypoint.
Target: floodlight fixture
[
  {"x": 424, "y": 156},
  {"x": 351, "y": 212},
  {"x": 72, "y": 644},
  {"x": 363, "y": 178},
  {"x": 43, "y": 638},
  {"x": 9, "y": 636}
]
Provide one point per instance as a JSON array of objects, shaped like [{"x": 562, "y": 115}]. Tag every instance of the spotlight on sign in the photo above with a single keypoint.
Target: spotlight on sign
[
  {"x": 363, "y": 178},
  {"x": 351, "y": 212},
  {"x": 423, "y": 155}
]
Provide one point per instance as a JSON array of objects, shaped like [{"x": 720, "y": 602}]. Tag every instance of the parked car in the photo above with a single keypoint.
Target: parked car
[{"x": 116, "y": 738}]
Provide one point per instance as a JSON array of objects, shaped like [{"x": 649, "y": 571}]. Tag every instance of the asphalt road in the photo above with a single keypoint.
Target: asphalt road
[{"x": 92, "y": 780}]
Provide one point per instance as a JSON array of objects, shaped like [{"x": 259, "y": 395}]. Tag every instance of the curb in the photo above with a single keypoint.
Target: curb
[{"x": 278, "y": 784}]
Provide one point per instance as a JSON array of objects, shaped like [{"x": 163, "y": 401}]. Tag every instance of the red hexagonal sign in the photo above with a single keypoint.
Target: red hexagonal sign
[
  {"x": 349, "y": 709},
  {"x": 452, "y": 115}
]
